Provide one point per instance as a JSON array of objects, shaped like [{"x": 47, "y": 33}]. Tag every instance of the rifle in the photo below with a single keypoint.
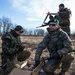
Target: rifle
[
  {"x": 45, "y": 19},
  {"x": 39, "y": 67},
  {"x": 43, "y": 22},
  {"x": 53, "y": 13},
  {"x": 42, "y": 26}
]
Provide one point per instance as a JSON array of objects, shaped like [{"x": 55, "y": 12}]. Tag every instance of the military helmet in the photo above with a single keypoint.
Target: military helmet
[{"x": 19, "y": 28}]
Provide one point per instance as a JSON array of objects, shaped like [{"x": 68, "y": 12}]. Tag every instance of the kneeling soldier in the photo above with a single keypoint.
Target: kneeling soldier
[
  {"x": 58, "y": 44},
  {"x": 12, "y": 48}
]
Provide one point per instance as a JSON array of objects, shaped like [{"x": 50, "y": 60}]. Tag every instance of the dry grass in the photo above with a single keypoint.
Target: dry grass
[
  {"x": 35, "y": 40},
  {"x": 32, "y": 39}
]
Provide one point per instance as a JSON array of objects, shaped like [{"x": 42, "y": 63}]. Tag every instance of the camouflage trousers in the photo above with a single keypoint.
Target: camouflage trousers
[
  {"x": 66, "y": 63},
  {"x": 53, "y": 64},
  {"x": 9, "y": 63}
]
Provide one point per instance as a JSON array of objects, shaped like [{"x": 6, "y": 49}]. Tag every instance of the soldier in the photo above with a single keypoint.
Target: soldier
[
  {"x": 58, "y": 44},
  {"x": 64, "y": 18},
  {"x": 64, "y": 21},
  {"x": 12, "y": 50}
]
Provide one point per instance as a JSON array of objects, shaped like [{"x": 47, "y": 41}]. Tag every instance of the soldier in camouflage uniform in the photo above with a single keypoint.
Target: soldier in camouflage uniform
[
  {"x": 64, "y": 21},
  {"x": 58, "y": 44},
  {"x": 12, "y": 49},
  {"x": 64, "y": 18}
]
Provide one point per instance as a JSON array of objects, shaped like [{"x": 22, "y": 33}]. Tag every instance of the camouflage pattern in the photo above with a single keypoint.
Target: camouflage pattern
[
  {"x": 11, "y": 49},
  {"x": 15, "y": 43},
  {"x": 58, "y": 41},
  {"x": 66, "y": 63},
  {"x": 9, "y": 65},
  {"x": 64, "y": 21}
]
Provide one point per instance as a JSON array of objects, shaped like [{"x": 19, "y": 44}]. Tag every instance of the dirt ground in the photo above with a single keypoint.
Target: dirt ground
[{"x": 31, "y": 43}]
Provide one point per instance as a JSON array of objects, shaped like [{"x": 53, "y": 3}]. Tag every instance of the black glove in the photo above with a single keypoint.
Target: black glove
[
  {"x": 55, "y": 55},
  {"x": 37, "y": 63}
]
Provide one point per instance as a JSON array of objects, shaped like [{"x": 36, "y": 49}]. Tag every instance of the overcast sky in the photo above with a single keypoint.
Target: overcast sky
[{"x": 31, "y": 13}]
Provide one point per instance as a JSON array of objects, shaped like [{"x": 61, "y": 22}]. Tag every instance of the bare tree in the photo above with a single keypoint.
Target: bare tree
[
  {"x": 30, "y": 32},
  {"x": 39, "y": 32},
  {"x": 35, "y": 32},
  {"x": 6, "y": 24},
  {"x": 25, "y": 32},
  {"x": 0, "y": 25}
]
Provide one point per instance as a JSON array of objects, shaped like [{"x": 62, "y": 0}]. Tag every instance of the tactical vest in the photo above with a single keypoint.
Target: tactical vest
[
  {"x": 64, "y": 17},
  {"x": 15, "y": 43},
  {"x": 55, "y": 43}
]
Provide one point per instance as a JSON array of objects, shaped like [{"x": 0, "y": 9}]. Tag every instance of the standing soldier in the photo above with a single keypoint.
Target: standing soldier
[
  {"x": 63, "y": 16},
  {"x": 58, "y": 44},
  {"x": 12, "y": 48}
]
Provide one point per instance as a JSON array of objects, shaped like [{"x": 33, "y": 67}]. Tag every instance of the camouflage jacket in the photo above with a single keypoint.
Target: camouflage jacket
[
  {"x": 59, "y": 42},
  {"x": 10, "y": 44},
  {"x": 63, "y": 17}
]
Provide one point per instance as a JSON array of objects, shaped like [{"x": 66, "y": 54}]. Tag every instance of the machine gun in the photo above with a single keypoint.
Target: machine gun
[
  {"x": 39, "y": 67},
  {"x": 44, "y": 24}
]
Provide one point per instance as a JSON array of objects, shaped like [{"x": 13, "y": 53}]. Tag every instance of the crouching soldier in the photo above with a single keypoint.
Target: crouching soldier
[
  {"x": 58, "y": 44},
  {"x": 12, "y": 50}
]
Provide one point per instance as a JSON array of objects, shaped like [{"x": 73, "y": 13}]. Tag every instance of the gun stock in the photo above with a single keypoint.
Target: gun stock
[{"x": 38, "y": 68}]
